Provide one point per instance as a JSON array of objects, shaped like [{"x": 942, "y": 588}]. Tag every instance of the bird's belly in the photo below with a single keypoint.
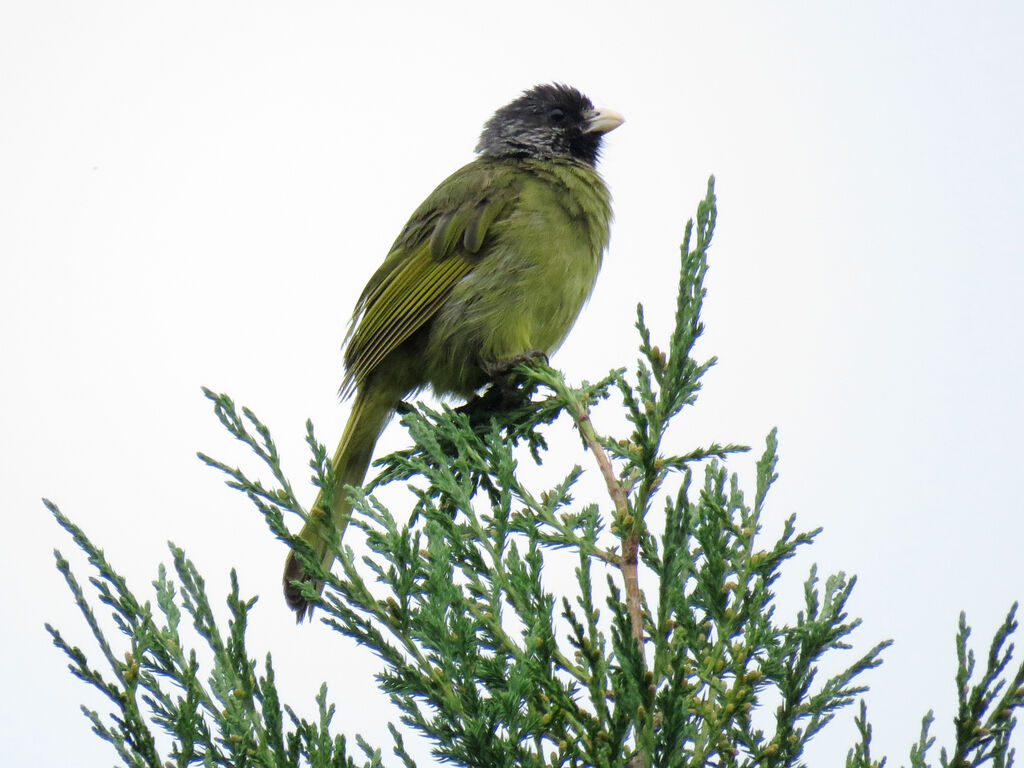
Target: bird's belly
[{"x": 506, "y": 308}]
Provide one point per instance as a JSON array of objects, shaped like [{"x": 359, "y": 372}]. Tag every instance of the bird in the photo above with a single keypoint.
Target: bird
[{"x": 493, "y": 268}]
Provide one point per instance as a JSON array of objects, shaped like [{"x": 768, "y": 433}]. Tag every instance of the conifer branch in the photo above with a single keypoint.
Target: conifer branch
[{"x": 483, "y": 652}]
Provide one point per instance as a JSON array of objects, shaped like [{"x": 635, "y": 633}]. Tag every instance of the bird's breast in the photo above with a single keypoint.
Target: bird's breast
[{"x": 531, "y": 283}]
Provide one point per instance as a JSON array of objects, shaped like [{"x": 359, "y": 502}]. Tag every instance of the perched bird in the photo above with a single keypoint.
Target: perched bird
[{"x": 492, "y": 268}]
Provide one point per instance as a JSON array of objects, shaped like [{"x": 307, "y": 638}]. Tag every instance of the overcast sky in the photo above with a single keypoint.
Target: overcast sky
[{"x": 194, "y": 193}]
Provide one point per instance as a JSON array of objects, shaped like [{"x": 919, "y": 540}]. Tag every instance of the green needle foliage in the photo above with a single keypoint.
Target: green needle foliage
[
  {"x": 231, "y": 716},
  {"x": 658, "y": 645}
]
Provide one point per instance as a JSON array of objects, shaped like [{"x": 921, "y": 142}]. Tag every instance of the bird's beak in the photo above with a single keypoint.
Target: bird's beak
[{"x": 603, "y": 120}]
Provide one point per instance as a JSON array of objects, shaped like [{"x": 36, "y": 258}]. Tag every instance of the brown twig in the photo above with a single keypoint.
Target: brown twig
[{"x": 628, "y": 562}]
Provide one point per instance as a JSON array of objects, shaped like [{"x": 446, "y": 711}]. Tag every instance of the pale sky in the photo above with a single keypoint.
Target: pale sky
[{"x": 195, "y": 193}]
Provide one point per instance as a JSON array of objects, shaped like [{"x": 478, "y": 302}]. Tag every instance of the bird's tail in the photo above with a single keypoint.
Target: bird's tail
[{"x": 370, "y": 412}]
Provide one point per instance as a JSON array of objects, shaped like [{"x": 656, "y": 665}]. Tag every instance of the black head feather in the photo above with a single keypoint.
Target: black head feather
[{"x": 547, "y": 121}]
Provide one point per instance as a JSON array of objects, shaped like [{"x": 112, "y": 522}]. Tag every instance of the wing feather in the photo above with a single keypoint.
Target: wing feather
[{"x": 443, "y": 242}]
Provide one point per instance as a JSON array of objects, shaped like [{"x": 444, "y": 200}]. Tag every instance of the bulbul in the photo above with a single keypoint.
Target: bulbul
[{"x": 492, "y": 268}]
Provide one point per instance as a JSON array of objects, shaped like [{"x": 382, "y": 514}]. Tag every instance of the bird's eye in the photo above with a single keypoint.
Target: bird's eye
[{"x": 556, "y": 115}]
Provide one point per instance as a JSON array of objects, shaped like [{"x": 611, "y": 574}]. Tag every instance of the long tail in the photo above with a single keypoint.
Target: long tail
[{"x": 370, "y": 412}]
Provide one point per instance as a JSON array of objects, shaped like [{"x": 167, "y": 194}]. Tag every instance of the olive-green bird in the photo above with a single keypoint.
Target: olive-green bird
[{"x": 491, "y": 269}]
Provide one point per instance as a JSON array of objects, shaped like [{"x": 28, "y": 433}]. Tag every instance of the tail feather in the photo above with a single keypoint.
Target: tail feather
[{"x": 370, "y": 412}]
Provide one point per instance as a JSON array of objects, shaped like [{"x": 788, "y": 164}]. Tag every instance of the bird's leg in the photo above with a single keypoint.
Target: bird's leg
[
  {"x": 504, "y": 394},
  {"x": 504, "y": 381},
  {"x": 496, "y": 368},
  {"x": 495, "y": 400}
]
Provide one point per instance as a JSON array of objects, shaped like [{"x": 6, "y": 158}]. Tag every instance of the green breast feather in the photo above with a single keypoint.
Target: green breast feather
[{"x": 556, "y": 212}]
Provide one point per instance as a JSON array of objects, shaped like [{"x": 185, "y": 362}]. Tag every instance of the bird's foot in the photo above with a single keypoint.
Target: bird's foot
[
  {"x": 506, "y": 392},
  {"x": 507, "y": 383},
  {"x": 498, "y": 369}
]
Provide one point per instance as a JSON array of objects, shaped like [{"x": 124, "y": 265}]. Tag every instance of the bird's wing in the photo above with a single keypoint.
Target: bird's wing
[{"x": 442, "y": 242}]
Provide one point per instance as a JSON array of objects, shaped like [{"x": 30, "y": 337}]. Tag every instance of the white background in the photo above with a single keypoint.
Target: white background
[{"x": 194, "y": 194}]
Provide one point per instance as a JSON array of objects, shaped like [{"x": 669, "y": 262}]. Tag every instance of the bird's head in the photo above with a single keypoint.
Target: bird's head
[{"x": 548, "y": 121}]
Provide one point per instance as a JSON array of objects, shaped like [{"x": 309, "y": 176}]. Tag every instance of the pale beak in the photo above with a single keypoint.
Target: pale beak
[{"x": 603, "y": 120}]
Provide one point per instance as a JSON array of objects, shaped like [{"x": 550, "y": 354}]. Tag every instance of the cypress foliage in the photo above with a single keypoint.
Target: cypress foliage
[{"x": 660, "y": 648}]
